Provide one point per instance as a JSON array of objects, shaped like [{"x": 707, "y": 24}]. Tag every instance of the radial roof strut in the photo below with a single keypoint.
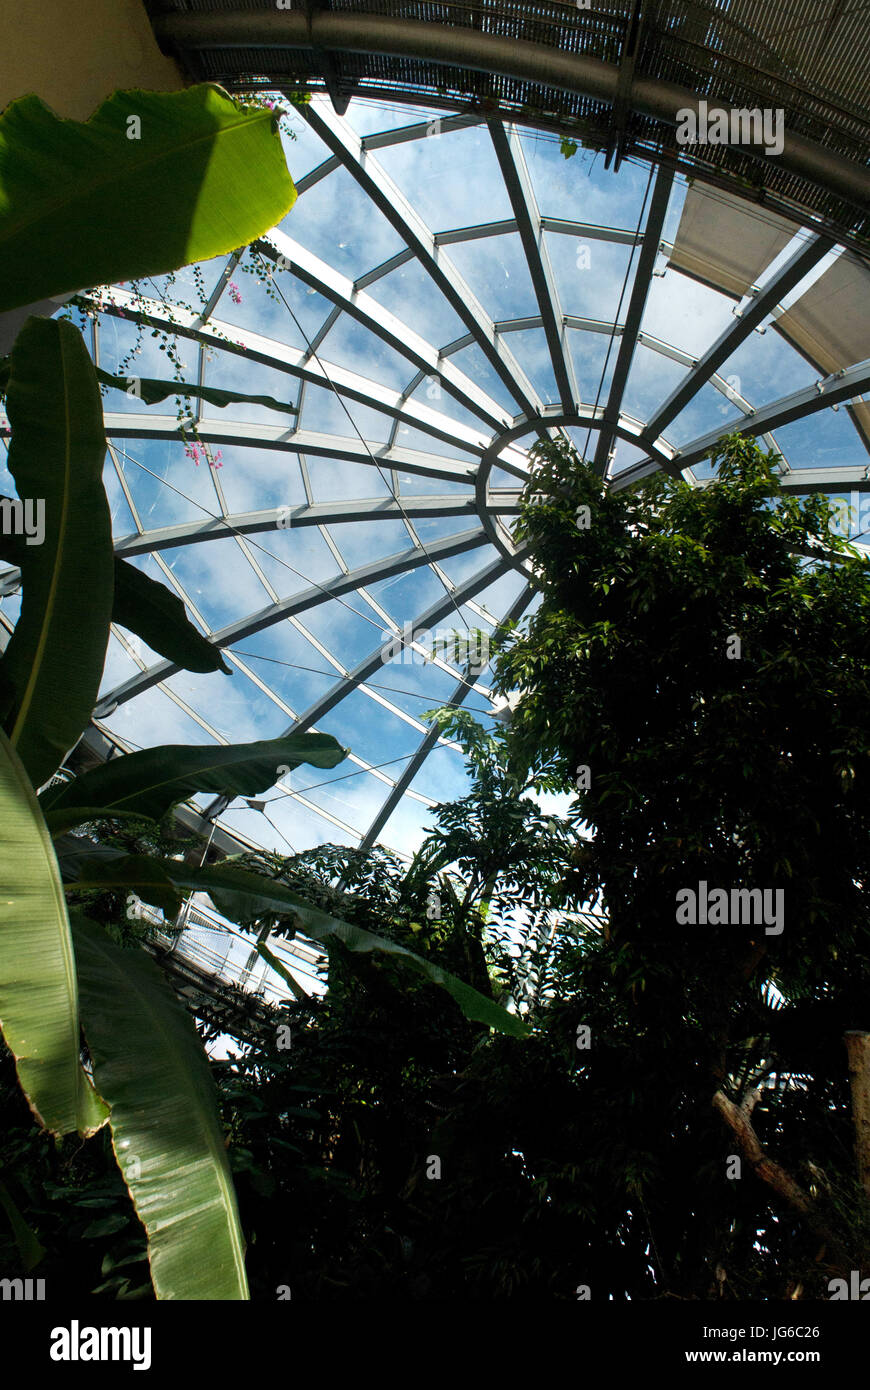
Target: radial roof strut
[
  {"x": 379, "y": 655},
  {"x": 842, "y": 386},
  {"x": 314, "y": 514},
  {"x": 636, "y": 305},
  {"x": 458, "y": 697},
  {"x": 512, "y": 162},
  {"x": 481, "y": 579},
  {"x": 401, "y": 337},
  {"x": 791, "y": 274},
  {"x": 399, "y": 563},
  {"x": 341, "y": 138}
]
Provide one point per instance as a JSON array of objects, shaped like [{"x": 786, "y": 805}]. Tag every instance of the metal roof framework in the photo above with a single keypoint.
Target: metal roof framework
[
  {"x": 476, "y": 484},
  {"x": 615, "y": 75},
  {"x": 617, "y": 72}
]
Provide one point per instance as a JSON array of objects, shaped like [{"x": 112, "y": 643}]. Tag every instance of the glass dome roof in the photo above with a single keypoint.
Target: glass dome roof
[{"x": 445, "y": 290}]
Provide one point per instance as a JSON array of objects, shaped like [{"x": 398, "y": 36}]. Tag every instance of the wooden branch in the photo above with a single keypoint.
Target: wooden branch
[
  {"x": 738, "y": 1120},
  {"x": 775, "y": 1176}
]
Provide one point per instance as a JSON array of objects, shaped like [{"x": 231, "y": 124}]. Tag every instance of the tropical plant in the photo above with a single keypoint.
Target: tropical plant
[
  {"x": 50, "y": 675},
  {"x": 336, "y": 1115},
  {"x": 559, "y": 1166},
  {"x": 678, "y": 1122},
  {"x": 51, "y": 978},
  {"x": 153, "y": 181},
  {"x": 58, "y": 969},
  {"x": 697, "y": 673}
]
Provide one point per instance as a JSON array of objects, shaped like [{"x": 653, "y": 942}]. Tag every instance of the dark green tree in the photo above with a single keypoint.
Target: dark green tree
[
  {"x": 698, "y": 671},
  {"x": 332, "y": 1135},
  {"x": 695, "y": 677}
]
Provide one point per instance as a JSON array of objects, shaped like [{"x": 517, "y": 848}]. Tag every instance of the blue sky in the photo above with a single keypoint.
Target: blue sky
[{"x": 451, "y": 180}]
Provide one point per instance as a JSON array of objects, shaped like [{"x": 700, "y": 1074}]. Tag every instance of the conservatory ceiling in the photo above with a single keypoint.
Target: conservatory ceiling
[
  {"x": 617, "y": 72},
  {"x": 446, "y": 290}
]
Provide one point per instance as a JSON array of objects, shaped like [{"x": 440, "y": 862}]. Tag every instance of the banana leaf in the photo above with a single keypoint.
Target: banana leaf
[
  {"x": 39, "y": 1013},
  {"x": 54, "y": 661},
  {"x": 153, "y": 181},
  {"x": 246, "y": 897},
  {"x": 153, "y": 780},
  {"x": 152, "y": 1069}
]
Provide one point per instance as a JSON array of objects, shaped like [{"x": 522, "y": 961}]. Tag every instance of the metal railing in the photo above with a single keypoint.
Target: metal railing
[{"x": 230, "y": 958}]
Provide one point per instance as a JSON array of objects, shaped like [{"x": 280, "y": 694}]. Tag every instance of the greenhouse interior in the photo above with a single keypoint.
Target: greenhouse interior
[{"x": 435, "y": 689}]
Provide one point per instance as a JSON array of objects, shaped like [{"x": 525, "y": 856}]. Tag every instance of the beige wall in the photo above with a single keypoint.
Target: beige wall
[{"x": 74, "y": 53}]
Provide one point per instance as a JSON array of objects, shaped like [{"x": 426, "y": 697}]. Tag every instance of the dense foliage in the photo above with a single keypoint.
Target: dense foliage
[
  {"x": 702, "y": 654},
  {"x": 383, "y": 1143}
]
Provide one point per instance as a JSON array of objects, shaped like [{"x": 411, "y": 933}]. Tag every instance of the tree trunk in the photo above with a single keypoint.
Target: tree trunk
[
  {"x": 858, "y": 1048},
  {"x": 738, "y": 1119}
]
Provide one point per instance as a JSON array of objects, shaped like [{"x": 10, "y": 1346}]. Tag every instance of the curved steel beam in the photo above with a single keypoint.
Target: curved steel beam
[
  {"x": 131, "y": 425},
  {"x": 299, "y": 364},
  {"x": 299, "y": 603},
  {"x": 314, "y": 514},
  {"x": 454, "y": 46}
]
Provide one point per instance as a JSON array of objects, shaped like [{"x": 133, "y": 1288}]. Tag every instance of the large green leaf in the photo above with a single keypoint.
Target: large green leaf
[
  {"x": 158, "y": 616},
  {"x": 38, "y": 996},
  {"x": 59, "y": 822},
  {"x": 151, "y": 1067},
  {"x": 153, "y": 181},
  {"x": 151, "y": 390},
  {"x": 54, "y": 660},
  {"x": 155, "y": 779},
  {"x": 30, "y": 1251},
  {"x": 122, "y": 872},
  {"x": 245, "y": 896}
]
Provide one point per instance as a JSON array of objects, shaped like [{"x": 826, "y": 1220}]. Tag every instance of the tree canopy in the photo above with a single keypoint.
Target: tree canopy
[{"x": 676, "y": 1120}]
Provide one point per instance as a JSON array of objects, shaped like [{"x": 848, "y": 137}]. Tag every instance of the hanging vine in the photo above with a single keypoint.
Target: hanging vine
[{"x": 87, "y": 307}]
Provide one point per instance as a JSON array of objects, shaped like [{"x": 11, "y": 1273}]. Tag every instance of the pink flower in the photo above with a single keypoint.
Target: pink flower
[{"x": 234, "y": 292}]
